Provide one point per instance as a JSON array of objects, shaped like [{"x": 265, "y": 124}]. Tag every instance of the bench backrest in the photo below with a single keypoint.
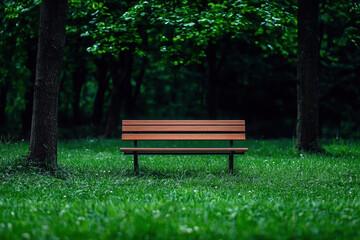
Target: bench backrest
[{"x": 183, "y": 130}]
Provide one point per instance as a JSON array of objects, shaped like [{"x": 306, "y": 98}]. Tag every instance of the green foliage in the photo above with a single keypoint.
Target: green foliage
[
  {"x": 339, "y": 13},
  {"x": 179, "y": 25},
  {"x": 255, "y": 58},
  {"x": 275, "y": 193},
  {"x": 111, "y": 30},
  {"x": 19, "y": 21},
  {"x": 339, "y": 63}
]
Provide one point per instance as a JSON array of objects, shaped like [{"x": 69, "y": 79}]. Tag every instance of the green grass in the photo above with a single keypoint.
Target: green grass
[{"x": 275, "y": 193}]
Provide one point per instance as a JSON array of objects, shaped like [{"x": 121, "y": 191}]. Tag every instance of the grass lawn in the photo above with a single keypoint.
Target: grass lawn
[{"x": 275, "y": 193}]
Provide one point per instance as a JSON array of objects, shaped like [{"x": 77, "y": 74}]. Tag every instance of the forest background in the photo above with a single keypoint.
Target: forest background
[{"x": 182, "y": 60}]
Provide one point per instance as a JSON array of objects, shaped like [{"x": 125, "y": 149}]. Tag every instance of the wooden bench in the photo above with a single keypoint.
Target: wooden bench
[{"x": 143, "y": 130}]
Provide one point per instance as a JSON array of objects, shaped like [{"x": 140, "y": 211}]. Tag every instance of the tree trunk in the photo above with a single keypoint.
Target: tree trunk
[
  {"x": 44, "y": 126},
  {"x": 79, "y": 77},
  {"x": 119, "y": 92},
  {"x": 29, "y": 94},
  {"x": 307, "y": 131},
  {"x": 26, "y": 114},
  {"x": 126, "y": 79},
  {"x": 4, "y": 88},
  {"x": 115, "y": 104},
  {"x": 103, "y": 83},
  {"x": 131, "y": 102},
  {"x": 212, "y": 93}
]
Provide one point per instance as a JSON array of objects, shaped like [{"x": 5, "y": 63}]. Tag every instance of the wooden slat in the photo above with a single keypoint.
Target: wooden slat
[
  {"x": 181, "y": 149},
  {"x": 183, "y": 128},
  {"x": 226, "y": 136},
  {"x": 184, "y": 122}
]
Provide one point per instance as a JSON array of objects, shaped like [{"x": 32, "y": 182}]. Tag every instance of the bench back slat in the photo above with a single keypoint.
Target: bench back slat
[
  {"x": 184, "y": 136},
  {"x": 186, "y": 128},
  {"x": 184, "y": 122},
  {"x": 183, "y": 130}
]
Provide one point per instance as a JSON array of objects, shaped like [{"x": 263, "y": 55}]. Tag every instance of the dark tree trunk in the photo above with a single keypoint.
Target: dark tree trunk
[
  {"x": 3, "y": 96},
  {"x": 79, "y": 77},
  {"x": 131, "y": 102},
  {"x": 307, "y": 130},
  {"x": 126, "y": 79},
  {"x": 44, "y": 126},
  {"x": 212, "y": 92},
  {"x": 29, "y": 94},
  {"x": 103, "y": 84},
  {"x": 119, "y": 92},
  {"x": 115, "y": 104},
  {"x": 78, "y": 80},
  {"x": 26, "y": 115}
]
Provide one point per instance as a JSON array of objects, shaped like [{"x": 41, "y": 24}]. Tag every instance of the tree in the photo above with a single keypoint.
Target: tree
[
  {"x": 121, "y": 83},
  {"x": 18, "y": 56},
  {"x": 307, "y": 129},
  {"x": 44, "y": 126},
  {"x": 103, "y": 83},
  {"x": 184, "y": 32}
]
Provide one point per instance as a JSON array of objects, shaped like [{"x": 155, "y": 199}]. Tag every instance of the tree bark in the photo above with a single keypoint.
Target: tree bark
[
  {"x": 4, "y": 88},
  {"x": 212, "y": 93},
  {"x": 79, "y": 77},
  {"x": 115, "y": 104},
  {"x": 307, "y": 131},
  {"x": 126, "y": 78},
  {"x": 44, "y": 126},
  {"x": 131, "y": 102},
  {"x": 29, "y": 94},
  {"x": 120, "y": 91},
  {"x": 103, "y": 84}
]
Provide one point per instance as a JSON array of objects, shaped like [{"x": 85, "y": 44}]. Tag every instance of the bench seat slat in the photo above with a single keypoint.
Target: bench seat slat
[
  {"x": 182, "y": 149},
  {"x": 226, "y": 136},
  {"x": 184, "y": 122},
  {"x": 223, "y": 129}
]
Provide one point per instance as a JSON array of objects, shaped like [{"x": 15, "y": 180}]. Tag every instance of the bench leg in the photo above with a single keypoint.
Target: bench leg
[
  {"x": 231, "y": 162},
  {"x": 231, "y": 158},
  {"x": 136, "y": 163}
]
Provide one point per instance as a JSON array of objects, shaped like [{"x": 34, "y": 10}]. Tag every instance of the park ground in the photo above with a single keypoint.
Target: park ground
[{"x": 274, "y": 193}]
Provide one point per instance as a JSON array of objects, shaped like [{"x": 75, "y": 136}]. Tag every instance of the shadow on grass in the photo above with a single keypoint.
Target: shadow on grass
[
  {"x": 179, "y": 174},
  {"x": 23, "y": 164}
]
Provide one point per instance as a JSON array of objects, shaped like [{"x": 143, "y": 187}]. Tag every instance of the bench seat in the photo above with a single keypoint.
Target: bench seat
[{"x": 183, "y": 151}]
